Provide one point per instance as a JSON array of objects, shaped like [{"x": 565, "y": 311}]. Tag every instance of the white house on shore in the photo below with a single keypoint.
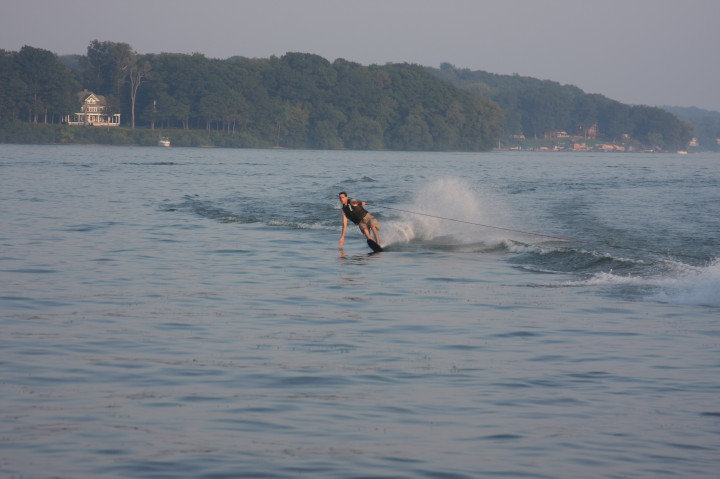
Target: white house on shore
[{"x": 92, "y": 111}]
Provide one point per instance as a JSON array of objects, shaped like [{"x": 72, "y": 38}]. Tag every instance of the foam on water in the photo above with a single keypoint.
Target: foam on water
[
  {"x": 681, "y": 284},
  {"x": 691, "y": 285}
]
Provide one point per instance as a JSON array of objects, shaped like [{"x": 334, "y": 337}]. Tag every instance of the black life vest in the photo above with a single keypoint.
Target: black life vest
[{"x": 354, "y": 213}]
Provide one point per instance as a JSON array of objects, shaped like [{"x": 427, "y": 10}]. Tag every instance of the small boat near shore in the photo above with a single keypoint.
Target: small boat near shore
[{"x": 164, "y": 141}]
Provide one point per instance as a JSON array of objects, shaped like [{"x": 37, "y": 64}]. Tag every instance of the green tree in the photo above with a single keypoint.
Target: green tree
[
  {"x": 362, "y": 133},
  {"x": 108, "y": 65},
  {"x": 45, "y": 84},
  {"x": 292, "y": 124},
  {"x": 413, "y": 133},
  {"x": 614, "y": 119},
  {"x": 585, "y": 113},
  {"x": 658, "y": 128},
  {"x": 138, "y": 74}
]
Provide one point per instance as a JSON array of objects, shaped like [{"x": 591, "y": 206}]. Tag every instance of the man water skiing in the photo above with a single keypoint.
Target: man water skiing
[{"x": 353, "y": 209}]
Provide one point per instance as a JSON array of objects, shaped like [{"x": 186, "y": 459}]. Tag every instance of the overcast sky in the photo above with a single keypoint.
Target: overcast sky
[{"x": 652, "y": 52}]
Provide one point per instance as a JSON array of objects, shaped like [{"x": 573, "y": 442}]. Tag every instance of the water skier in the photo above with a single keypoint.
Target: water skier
[{"x": 353, "y": 209}]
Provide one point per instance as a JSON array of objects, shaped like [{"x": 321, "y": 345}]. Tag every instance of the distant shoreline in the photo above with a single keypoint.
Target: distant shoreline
[
  {"x": 520, "y": 150},
  {"x": 22, "y": 133}
]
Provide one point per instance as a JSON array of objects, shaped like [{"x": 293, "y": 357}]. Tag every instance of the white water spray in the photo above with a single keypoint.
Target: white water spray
[
  {"x": 699, "y": 286},
  {"x": 428, "y": 216},
  {"x": 684, "y": 284}
]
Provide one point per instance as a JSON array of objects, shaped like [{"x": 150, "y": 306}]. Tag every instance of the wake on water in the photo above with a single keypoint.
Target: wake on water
[
  {"x": 679, "y": 284},
  {"x": 449, "y": 214},
  {"x": 691, "y": 286}
]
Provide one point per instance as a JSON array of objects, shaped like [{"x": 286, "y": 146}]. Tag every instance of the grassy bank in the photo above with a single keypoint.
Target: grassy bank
[{"x": 29, "y": 133}]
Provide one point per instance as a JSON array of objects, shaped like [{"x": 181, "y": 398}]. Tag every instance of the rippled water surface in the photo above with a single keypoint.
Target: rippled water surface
[{"x": 187, "y": 313}]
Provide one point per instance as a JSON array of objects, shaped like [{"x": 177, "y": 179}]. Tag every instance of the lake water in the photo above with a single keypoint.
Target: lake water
[{"x": 187, "y": 313}]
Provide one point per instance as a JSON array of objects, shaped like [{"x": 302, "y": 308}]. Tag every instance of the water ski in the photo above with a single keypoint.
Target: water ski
[{"x": 374, "y": 246}]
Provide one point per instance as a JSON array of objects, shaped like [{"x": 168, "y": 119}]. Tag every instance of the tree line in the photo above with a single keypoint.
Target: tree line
[
  {"x": 302, "y": 100},
  {"x": 298, "y": 100},
  {"x": 535, "y": 107}
]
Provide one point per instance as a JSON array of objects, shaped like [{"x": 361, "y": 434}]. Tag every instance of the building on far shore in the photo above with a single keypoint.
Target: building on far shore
[{"x": 92, "y": 111}]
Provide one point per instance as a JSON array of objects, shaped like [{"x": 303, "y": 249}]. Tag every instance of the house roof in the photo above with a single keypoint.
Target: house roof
[{"x": 84, "y": 95}]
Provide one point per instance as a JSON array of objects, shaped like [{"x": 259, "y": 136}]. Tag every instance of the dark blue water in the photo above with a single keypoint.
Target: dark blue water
[{"x": 188, "y": 313}]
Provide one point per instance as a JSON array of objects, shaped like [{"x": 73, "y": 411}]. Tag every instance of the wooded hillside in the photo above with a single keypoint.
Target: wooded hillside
[
  {"x": 302, "y": 100},
  {"x": 298, "y": 100},
  {"x": 706, "y": 125},
  {"x": 534, "y": 108}
]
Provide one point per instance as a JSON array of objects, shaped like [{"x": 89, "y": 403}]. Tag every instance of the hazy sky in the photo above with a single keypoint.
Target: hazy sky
[{"x": 653, "y": 52}]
